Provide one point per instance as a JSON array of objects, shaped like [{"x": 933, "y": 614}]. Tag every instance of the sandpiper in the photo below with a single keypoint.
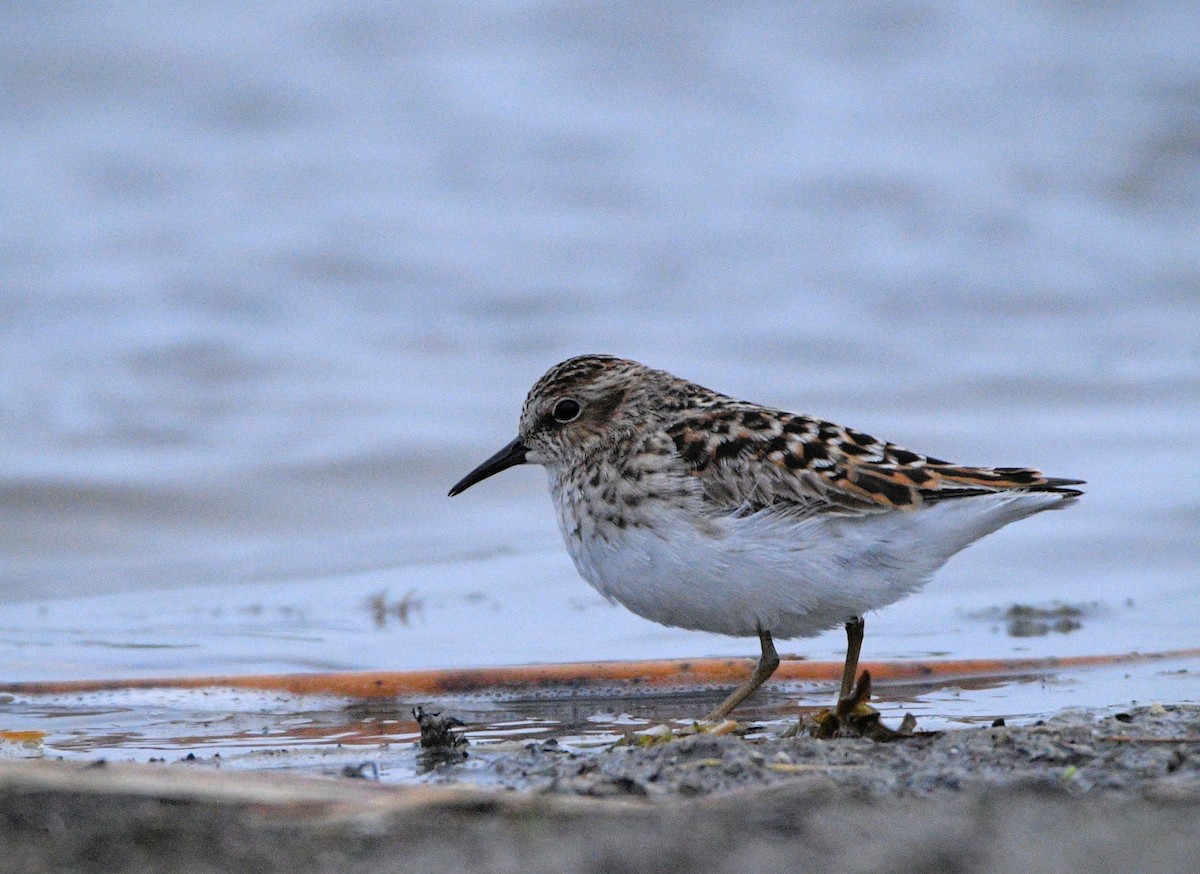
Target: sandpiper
[{"x": 697, "y": 510}]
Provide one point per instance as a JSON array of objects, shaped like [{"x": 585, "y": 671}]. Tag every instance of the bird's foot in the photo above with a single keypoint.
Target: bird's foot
[{"x": 854, "y": 717}]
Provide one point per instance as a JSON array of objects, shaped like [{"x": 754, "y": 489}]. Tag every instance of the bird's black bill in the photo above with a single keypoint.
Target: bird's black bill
[{"x": 510, "y": 456}]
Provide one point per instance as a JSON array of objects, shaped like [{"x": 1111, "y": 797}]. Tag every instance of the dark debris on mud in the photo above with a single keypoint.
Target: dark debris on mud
[{"x": 440, "y": 744}]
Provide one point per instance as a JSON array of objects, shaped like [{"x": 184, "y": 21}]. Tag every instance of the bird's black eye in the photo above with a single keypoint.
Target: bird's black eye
[{"x": 566, "y": 410}]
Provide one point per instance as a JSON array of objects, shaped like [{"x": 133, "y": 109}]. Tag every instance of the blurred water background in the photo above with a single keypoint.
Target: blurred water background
[{"x": 272, "y": 277}]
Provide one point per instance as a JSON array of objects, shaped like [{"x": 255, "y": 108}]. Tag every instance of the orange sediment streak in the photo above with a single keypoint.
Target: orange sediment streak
[{"x": 580, "y": 679}]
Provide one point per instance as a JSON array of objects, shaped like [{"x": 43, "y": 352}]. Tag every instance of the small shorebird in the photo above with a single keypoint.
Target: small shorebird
[{"x": 697, "y": 510}]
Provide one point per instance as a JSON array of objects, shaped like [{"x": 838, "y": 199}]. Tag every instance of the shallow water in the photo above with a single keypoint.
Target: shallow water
[{"x": 273, "y": 279}]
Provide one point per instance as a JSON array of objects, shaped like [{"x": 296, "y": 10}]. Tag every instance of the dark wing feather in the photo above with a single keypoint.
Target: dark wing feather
[{"x": 750, "y": 457}]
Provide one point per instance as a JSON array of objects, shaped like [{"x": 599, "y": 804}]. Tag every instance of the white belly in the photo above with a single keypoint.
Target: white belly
[{"x": 794, "y": 578}]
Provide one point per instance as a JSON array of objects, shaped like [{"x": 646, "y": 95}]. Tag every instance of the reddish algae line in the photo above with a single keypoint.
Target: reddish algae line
[{"x": 578, "y": 677}]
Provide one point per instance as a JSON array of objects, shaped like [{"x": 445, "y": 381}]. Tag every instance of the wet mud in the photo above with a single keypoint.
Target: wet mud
[
  {"x": 1119, "y": 792},
  {"x": 1147, "y": 751}
]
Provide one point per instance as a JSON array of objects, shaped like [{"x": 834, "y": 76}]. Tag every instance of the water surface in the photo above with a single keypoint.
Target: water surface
[{"x": 272, "y": 279}]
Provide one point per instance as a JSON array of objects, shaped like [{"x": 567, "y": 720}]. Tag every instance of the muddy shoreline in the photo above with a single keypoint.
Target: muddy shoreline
[
  {"x": 1118, "y": 792},
  {"x": 1145, "y": 751}
]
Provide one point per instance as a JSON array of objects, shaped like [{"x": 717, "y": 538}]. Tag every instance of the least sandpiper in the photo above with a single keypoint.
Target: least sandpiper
[{"x": 697, "y": 510}]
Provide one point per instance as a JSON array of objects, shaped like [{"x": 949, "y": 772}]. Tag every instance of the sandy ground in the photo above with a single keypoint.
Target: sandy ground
[{"x": 1078, "y": 793}]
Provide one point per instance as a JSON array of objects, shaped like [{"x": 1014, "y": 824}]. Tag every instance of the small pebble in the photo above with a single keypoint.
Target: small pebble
[
  {"x": 662, "y": 731},
  {"x": 723, "y": 727}
]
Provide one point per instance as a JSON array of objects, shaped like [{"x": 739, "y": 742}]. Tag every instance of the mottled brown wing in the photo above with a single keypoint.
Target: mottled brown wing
[{"x": 751, "y": 457}]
